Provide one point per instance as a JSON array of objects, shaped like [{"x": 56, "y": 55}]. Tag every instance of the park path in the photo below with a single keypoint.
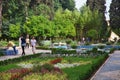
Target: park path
[
  {"x": 110, "y": 70},
  {"x": 28, "y": 51}
]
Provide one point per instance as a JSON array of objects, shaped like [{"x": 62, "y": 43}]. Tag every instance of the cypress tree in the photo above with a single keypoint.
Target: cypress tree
[
  {"x": 100, "y": 6},
  {"x": 115, "y": 15}
]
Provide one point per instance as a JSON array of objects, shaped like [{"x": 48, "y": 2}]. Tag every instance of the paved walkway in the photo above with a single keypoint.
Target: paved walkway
[
  {"x": 110, "y": 70},
  {"x": 28, "y": 51}
]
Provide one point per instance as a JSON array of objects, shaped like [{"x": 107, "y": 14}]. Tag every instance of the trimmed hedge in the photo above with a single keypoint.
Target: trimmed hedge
[
  {"x": 62, "y": 51},
  {"x": 22, "y": 58},
  {"x": 84, "y": 72}
]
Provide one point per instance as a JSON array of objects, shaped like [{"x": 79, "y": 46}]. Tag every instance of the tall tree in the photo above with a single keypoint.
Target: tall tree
[
  {"x": 34, "y": 4},
  {"x": 97, "y": 4},
  {"x": 57, "y": 4},
  {"x": 115, "y": 15},
  {"x": 88, "y": 20},
  {"x": 100, "y": 6},
  {"x": 68, "y": 4}
]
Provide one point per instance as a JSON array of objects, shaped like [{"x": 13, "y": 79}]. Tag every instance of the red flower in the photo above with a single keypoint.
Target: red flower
[{"x": 55, "y": 61}]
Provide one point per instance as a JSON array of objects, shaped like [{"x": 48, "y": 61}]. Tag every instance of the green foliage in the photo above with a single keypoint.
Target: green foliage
[
  {"x": 8, "y": 67},
  {"x": 47, "y": 76},
  {"x": 63, "y": 51},
  {"x": 15, "y": 60},
  {"x": 43, "y": 10},
  {"x": 68, "y": 41},
  {"x": 14, "y": 30},
  {"x": 114, "y": 16},
  {"x": 3, "y": 43},
  {"x": 89, "y": 20},
  {"x": 40, "y": 68},
  {"x": 57, "y": 4},
  {"x": 38, "y": 26},
  {"x": 94, "y": 50},
  {"x": 48, "y": 66},
  {"x": 92, "y": 34},
  {"x": 68, "y": 4},
  {"x": 83, "y": 72},
  {"x": 101, "y": 46},
  {"x": 64, "y": 25},
  {"x": 112, "y": 50}
]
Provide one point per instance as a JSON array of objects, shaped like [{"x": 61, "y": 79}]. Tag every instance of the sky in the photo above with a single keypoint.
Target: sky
[{"x": 80, "y": 3}]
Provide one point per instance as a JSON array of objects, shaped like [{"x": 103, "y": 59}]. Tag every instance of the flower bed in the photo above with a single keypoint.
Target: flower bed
[{"x": 55, "y": 68}]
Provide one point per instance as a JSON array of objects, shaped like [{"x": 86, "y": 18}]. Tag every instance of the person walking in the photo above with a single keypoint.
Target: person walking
[
  {"x": 33, "y": 44},
  {"x": 23, "y": 44}
]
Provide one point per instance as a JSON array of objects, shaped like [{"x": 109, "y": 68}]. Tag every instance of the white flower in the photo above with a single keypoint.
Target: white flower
[
  {"x": 66, "y": 65},
  {"x": 25, "y": 65}
]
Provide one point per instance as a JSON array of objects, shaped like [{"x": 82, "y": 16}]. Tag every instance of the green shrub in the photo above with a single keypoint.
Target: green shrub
[
  {"x": 101, "y": 47},
  {"x": 83, "y": 72},
  {"x": 73, "y": 46},
  {"x": 22, "y": 58},
  {"x": 2, "y": 52},
  {"x": 112, "y": 50},
  {"x": 68, "y": 41},
  {"x": 3, "y": 43},
  {"x": 62, "y": 51},
  {"x": 94, "y": 49}
]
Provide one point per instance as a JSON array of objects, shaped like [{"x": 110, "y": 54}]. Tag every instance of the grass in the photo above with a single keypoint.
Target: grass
[{"x": 8, "y": 67}]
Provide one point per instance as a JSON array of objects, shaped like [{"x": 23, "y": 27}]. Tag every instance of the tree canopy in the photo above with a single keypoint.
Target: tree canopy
[{"x": 56, "y": 18}]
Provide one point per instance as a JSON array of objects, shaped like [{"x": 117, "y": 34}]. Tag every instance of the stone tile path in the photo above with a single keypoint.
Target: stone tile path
[{"x": 110, "y": 70}]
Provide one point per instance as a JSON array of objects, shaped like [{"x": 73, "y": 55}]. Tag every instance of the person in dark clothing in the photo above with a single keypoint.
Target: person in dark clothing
[{"x": 23, "y": 44}]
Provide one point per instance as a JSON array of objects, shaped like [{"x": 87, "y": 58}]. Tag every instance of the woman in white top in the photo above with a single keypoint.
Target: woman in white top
[{"x": 33, "y": 44}]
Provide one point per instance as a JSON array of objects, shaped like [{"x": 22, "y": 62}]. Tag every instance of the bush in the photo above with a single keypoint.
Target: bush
[
  {"x": 84, "y": 72},
  {"x": 63, "y": 51},
  {"x": 3, "y": 43},
  {"x": 73, "y": 46},
  {"x": 112, "y": 50},
  {"x": 101, "y": 47},
  {"x": 68, "y": 41},
  {"x": 2, "y": 52}
]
